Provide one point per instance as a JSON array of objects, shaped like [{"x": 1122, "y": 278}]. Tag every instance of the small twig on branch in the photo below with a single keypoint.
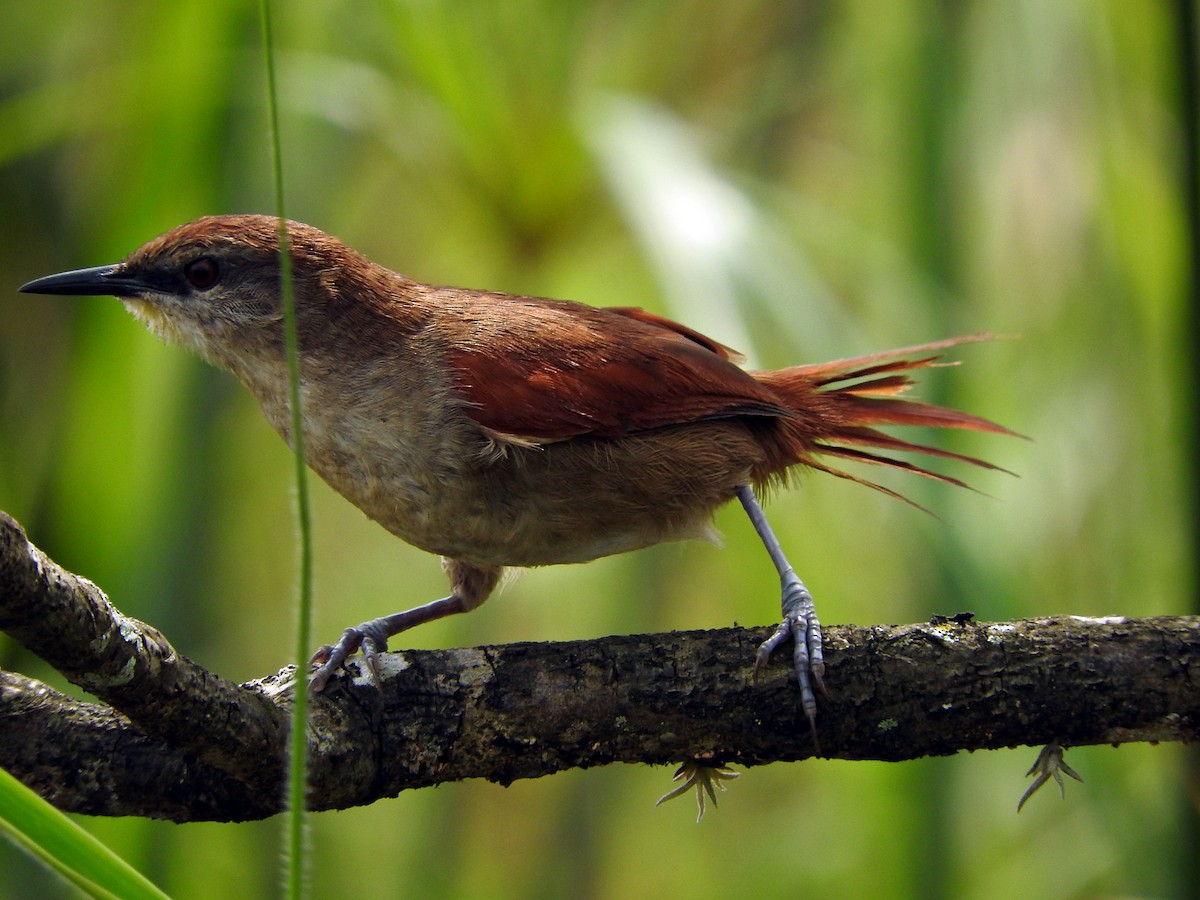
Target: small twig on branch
[{"x": 171, "y": 740}]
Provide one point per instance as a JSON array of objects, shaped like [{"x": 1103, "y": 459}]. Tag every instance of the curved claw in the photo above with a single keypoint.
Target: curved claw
[
  {"x": 372, "y": 638},
  {"x": 368, "y": 637},
  {"x": 374, "y": 642}
]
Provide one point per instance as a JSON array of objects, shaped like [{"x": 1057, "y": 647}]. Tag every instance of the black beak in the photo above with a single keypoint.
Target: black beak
[{"x": 96, "y": 281}]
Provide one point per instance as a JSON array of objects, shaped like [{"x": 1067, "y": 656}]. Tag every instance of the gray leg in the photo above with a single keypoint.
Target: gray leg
[
  {"x": 799, "y": 616},
  {"x": 470, "y": 584},
  {"x": 372, "y": 638}
]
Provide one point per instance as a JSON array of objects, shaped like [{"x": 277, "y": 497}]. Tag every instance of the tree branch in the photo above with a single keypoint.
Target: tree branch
[{"x": 171, "y": 740}]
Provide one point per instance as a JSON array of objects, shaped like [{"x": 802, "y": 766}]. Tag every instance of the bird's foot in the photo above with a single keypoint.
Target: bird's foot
[
  {"x": 371, "y": 637},
  {"x": 799, "y": 623}
]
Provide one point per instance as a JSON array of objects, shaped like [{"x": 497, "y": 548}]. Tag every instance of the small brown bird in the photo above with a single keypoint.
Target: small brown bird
[{"x": 498, "y": 430}]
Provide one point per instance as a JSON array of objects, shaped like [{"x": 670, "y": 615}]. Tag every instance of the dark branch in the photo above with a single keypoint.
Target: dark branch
[{"x": 172, "y": 740}]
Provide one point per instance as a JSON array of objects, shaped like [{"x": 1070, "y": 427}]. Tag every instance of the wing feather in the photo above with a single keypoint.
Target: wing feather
[{"x": 553, "y": 370}]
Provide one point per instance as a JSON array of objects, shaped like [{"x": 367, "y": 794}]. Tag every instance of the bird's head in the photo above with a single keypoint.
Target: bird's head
[{"x": 213, "y": 285}]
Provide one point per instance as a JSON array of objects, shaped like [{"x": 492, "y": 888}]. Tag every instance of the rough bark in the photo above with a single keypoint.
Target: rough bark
[{"x": 169, "y": 739}]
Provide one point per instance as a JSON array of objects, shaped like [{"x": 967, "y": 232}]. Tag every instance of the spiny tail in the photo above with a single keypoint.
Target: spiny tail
[{"x": 837, "y": 405}]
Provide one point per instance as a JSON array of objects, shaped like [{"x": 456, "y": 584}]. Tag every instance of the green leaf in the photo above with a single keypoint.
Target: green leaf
[{"x": 56, "y": 840}]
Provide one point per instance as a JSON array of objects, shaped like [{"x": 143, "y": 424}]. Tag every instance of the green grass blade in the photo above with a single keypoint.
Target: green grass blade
[
  {"x": 51, "y": 836},
  {"x": 298, "y": 742}
]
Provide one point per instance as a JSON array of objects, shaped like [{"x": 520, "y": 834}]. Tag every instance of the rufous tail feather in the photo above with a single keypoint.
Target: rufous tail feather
[{"x": 836, "y": 406}]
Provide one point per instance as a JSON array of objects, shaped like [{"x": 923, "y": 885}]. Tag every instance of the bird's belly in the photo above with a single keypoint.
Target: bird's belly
[{"x": 567, "y": 502}]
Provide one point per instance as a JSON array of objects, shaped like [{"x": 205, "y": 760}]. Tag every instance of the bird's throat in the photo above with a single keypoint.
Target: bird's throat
[{"x": 154, "y": 318}]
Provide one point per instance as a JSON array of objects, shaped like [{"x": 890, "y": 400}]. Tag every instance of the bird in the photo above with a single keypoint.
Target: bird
[{"x": 499, "y": 431}]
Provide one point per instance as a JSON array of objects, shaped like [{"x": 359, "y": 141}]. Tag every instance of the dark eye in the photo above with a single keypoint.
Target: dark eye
[{"x": 202, "y": 273}]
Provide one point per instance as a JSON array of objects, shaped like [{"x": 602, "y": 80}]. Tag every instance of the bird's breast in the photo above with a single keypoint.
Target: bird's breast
[{"x": 406, "y": 453}]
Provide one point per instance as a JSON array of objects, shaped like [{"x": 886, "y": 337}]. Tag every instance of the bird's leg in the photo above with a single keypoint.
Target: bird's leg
[
  {"x": 799, "y": 616},
  {"x": 471, "y": 584},
  {"x": 372, "y": 638}
]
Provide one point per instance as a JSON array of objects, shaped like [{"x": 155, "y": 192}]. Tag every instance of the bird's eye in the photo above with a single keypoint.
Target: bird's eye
[{"x": 202, "y": 273}]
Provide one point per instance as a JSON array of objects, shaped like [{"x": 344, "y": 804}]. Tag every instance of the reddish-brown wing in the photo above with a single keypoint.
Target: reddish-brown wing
[
  {"x": 547, "y": 370},
  {"x": 639, "y": 314}
]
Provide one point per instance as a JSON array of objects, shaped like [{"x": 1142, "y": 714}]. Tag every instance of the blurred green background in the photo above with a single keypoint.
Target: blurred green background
[{"x": 800, "y": 180}]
